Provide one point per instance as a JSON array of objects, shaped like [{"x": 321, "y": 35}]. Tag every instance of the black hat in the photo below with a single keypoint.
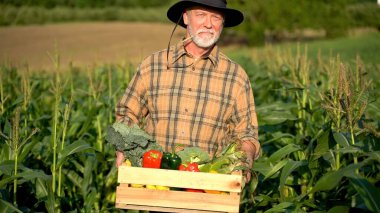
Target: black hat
[{"x": 232, "y": 17}]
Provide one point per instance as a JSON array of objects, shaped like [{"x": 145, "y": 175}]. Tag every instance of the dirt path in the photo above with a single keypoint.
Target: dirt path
[{"x": 82, "y": 43}]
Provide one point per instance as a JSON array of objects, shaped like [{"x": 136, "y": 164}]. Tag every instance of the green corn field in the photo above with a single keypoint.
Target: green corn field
[{"x": 319, "y": 129}]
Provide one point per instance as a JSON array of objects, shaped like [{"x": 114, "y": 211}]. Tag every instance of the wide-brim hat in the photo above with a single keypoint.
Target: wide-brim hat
[{"x": 232, "y": 17}]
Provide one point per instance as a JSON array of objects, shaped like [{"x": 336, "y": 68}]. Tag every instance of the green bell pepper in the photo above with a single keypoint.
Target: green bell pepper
[{"x": 170, "y": 161}]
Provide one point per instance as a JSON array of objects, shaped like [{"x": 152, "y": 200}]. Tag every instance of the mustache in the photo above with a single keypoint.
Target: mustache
[{"x": 205, "y": 31}]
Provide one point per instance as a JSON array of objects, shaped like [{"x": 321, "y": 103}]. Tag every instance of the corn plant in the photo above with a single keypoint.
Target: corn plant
[
  {"x": 305, "y": 166},
  {"x": 304, "y": 107},
  {"x": 15, "y": 143}
]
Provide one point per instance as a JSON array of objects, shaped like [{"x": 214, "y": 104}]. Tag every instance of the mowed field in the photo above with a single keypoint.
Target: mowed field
[{"x": 82, "y": 44}]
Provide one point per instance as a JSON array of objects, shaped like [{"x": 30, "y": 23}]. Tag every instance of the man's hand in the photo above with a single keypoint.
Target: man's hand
[
  {"x": 247, "y": 174},
  {"x": 249, "y": 150},
  {"x": 119, "y": 158}
]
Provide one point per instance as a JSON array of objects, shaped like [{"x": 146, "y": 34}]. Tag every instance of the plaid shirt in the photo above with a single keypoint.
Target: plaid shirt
[{"x": 206, "y": 102}]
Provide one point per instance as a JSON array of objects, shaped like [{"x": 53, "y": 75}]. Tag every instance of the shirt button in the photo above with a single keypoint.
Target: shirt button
[
  {"x": 193, "y": 68},
  {"x": 189, "y": 89},
  {"x": 186, "y": 110}
]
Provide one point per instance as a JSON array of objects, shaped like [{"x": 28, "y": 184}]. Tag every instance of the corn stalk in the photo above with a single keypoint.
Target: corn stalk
[
  {"x": 66, "y": 116},
  {"x": 95, "y": 90},
  {"x": 57, "y": 90},
  {"x": 15, "y": 143},
  {"x": 345, "y": 104}
]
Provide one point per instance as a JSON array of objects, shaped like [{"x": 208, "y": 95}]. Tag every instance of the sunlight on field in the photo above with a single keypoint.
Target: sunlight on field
[{"x": 83, "y": 44}]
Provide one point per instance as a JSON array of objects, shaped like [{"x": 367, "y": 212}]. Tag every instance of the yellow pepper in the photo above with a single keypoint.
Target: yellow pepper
[
  {"x": 162, "y": 188},
  {"x": 150, "y": 186},
  {"x": 127, "y": 163},
  {"x": 137, "y": 185}
]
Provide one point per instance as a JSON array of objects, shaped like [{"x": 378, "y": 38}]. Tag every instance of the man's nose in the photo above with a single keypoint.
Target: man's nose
[{"x": 208, "y": 22}]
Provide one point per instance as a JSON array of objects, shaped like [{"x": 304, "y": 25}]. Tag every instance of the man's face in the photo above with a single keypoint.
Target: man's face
[{"x": 204, "y": 25}]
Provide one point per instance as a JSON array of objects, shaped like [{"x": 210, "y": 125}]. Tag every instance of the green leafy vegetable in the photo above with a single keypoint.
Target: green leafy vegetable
[
  {"x": 229, "y": 160},
  {"x": 193, "y": 154},
  {"x": 132, "y": 140}
]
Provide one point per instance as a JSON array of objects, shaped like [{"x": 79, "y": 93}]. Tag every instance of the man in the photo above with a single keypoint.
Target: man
[{"x": 191, "y": 93}]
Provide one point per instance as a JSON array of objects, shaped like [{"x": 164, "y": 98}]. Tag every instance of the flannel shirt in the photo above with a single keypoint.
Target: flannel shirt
[{"x": 206, "y": 102}]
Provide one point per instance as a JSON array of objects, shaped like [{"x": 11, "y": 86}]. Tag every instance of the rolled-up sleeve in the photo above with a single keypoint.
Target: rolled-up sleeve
[{"x": 245, "y": 118}]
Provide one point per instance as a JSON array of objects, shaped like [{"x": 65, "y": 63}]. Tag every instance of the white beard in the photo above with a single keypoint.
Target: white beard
[{"x": 204, "y": 42}]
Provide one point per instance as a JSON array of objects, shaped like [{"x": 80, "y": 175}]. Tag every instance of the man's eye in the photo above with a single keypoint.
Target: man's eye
[{"x": 219, "y": 18}]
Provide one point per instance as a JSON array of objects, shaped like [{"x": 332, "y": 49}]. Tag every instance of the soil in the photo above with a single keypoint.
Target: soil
[{"x": 83, "y": 44}]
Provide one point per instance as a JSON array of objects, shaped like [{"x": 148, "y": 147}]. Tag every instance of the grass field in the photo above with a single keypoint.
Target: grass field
[
  {"x": 367, "y": 46},
  {"x": 84, "y": 44}
]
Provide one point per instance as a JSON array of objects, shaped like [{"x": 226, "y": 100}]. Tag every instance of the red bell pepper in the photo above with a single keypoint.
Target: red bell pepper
[
  {"x": 152, "y": 159},
  {"x": 191, "y": 167}
]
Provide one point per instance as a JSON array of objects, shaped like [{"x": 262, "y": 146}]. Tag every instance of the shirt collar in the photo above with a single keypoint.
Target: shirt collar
[{"x": 179, "y": 51}]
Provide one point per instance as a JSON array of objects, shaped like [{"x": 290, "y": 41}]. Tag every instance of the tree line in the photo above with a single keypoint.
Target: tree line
[
  {"x": 88, "y": 3},
  {"x": 263, "y": 18}
]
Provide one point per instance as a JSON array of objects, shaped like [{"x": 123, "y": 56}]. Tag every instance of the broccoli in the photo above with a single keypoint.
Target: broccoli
[{"x": 132, "y": 140}]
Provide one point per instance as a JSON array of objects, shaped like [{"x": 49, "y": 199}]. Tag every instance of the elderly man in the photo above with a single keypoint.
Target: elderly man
[{"x": 191, "y": 93}]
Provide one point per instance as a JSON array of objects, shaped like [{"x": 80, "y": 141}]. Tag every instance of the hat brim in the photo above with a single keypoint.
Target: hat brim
[{"x": 232, "y": 17}]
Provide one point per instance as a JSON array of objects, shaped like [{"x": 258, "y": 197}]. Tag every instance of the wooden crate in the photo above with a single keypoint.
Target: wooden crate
[{"x": 177, "y": 201}]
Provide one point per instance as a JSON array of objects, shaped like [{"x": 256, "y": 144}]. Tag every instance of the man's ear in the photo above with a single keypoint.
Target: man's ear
[{"x": 185, "y": 17}]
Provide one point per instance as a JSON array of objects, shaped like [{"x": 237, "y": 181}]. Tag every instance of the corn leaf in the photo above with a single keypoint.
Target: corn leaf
[
  {"x": 253, "y": 183},
  {"x": 339, "y": 209},
  {"x": 277, "y": 136},
  {"x": 286, "y": 171},
  {"x": 7, "y": 167},
  {"x": 322, "y": 145},
  {"x": 25, "y": 176},
  {"x": 90, "y": 200},
  {"x": 26, "y": 150},
  {"x": 5, "y": 181},
  {"x": 374, "y": 155},
  {"x": 30, "y": 174},
  {"x": 41, "y": 189},
  {"x": 7, "y": 207},
  {"x": 262, "y": 166},
  {"x": 45, "y": 193},
  {"x": 369, "y": 193},
  {"x": 73, "y": 148},
  {"x": 281, "y": 207},
  {"x": 87, "y": 175},
  {"x": 275, "y": 113},
  {"x": 276, "y": 117},
  {"x": 276, "y": 168},
  {"x": 284, "y": 151},
  {"x": 330, "y": 180},
  {"x": 350, "y": 150},
  {"x": 341, "y": 139},
  {"x": 73, "y": 177}
]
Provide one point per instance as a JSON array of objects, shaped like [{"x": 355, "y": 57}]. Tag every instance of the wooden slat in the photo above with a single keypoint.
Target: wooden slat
[
  {"x": 159, "y": 209},
  {"x": 177, "y": 199},
  {"x": 180, "y": 179}
]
